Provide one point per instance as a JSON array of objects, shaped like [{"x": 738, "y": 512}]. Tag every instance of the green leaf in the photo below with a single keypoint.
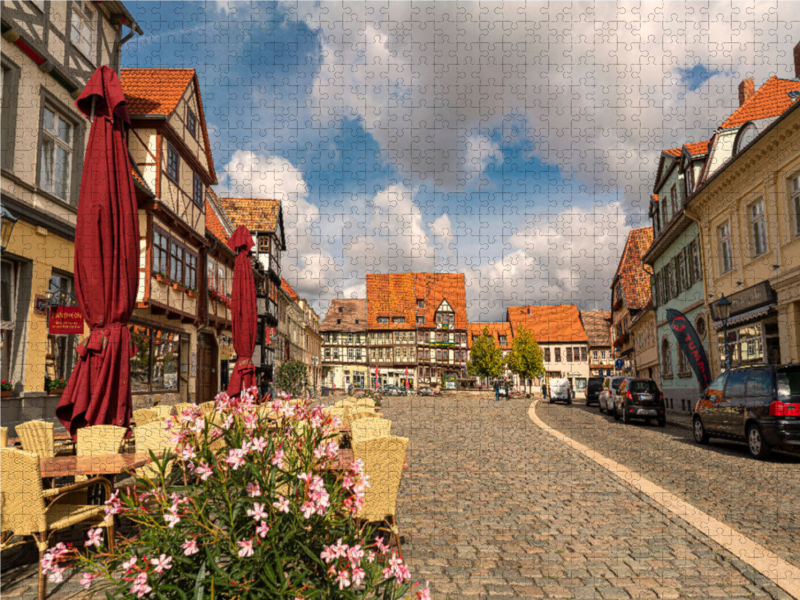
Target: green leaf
[{"x": 199, "y": 588}]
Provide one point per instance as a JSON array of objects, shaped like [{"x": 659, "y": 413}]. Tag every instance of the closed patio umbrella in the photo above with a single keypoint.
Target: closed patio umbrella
[
  {"x": 245, "y": 319},
  {"x": 106, "y": 264}
]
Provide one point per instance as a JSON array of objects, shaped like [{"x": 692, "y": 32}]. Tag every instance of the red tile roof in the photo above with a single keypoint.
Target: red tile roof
[
  {"x": 289, "y": 290},
  {"x": 676, "y": 152},
  {"x": 257, "y": 214},
  {"x": 697, "y": 148},
  {"x": 597, "y": 327},
  {"x": 770, "y": 100},
  {"x": 560, "y": 323},
  {"x": 391, "y": 295},
  {"x": 351, "y": 311},
  {"x": 495, "y": 330},
  {"x": 214, "y": 225},
  {"x": 151, "y": 92},
  {"x": 630, "y": 271},
  {"x": 654, "y": 197},
  {"x": 434, "y": 288}
]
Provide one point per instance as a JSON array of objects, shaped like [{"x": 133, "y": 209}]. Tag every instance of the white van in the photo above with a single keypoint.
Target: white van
[{"x": 560, "y": 390}]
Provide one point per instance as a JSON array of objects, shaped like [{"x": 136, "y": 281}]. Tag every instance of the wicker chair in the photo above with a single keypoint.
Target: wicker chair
[
  {"x": 28, "y": 509},
  {"x": 365, "y": 402},
  {"x": 383, "y": 462},
  {"x": 163, "y": 410},
  {"x": 153, "y": 436},
  {"x": 143, "y": 416},
  {"x": 99, "y": 439},
  {"x": 37, "y": 437},
  {"x": 3, "y": 437},
  {"x": 207, "y": 407},
  {"x": 369, "y": 428},
  {"x": 182, "y": 406},
  {"x": 343, "y": 404}
]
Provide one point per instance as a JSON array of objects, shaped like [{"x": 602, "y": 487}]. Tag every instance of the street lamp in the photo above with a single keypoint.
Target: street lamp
[
  {"x": 724, "y": 311},
  {"x": 7, "y": 221}
]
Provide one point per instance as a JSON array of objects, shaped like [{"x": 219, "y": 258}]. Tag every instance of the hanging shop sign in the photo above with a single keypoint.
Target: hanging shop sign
[
  {"x": 226, "y": 351},
  {"x": 753, "y": 297},
  {"x": 65, "y": 320}
]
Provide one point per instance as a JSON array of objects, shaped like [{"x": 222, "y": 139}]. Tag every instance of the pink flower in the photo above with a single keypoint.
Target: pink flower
[
  {"x": 94, "y": 538},
  {"x": 235, "y": 459},
  {"x": 56, "y": 574},
  {"x": 354, "y": 555},
  {"x": 371, "y": 556},
  {"x": 282, "y": 504},
  {"x": 113, "y": 505},
  {"x": 128, "y": 564},
  {"x": 424, "y": 593},
  {"x": 260, "y": 444},
  {"x": 258, "y": 513},
  {"x": 188, "y": 453},
  {"x": 246, "y": 548},
  {"x": 140, "y": 587},
  {"x": 204, "y": 471},
  {"x": 172, "y": 518},
  {"x": 358, "y": 575},
  {"x": 86, "y": 580},
  {"x": 343, "y": 578},
  {"x": 162, "y": 563},
  {"x": 253, "y": 490},
  {"x": 190, "y": 547},
  {"x": 380, "y": 545},
  {"x": 262, "y": 529},
  {"x": 277, "y": 459}
]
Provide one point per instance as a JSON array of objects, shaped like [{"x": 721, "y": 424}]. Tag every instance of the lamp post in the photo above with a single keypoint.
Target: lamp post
[
  {"x": 724, "y": 310},
  {"x": 314, "y": 360},
  {"x": 7, "y": 221}
]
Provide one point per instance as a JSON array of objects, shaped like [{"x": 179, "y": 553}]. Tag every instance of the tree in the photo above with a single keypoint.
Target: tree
[
  {"x": 525, "y": 358},
  {"x": 485, "y": 358},
  {"x": 293, "y": 377}
]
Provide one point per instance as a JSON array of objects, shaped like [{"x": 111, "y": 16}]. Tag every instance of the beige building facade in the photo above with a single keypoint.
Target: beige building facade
[{"x": 643, "y": 335}]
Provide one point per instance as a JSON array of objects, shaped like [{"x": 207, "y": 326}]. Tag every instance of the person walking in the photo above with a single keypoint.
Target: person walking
[
  {"x": 497, "y": 390},
  {"x": 508, "y": 388},
  {"x": 544, "y": 391}
]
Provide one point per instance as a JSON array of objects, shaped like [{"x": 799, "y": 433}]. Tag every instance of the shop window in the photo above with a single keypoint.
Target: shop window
[
  {"x": 155, "y": 366},
  {"x": 725, "y": 247},
  {"x": 60, "y": 353},
  {"x": 56, "y": 153},
  {"x": 8, "y": 306},
  {"x": 758, "y": 228},
  {"x": 84, "y": 18}
]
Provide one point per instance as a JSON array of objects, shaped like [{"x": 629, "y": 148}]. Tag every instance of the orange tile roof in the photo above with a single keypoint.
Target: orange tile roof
[
  {"x": 630, "y": 271},
  {"x": 495, "y": 330},
  {"x": 770, "y": 100},
  {"x": 157, "y": 92},
  {"x": 560, "y": 323},
  {"x": 391, "y": 295},
  {"x": 289, "y": 290},
  {"x": 257, "y": 214},
  {"x": 676, "y": 152},
  {"x": 697, "y": 148},
  {"x": 597, "y": 327},
  {"x": 214, "y": 225},
  {"x": 654, "y": 197},
  {"x": 352, "y": 310},
  {"x": 434, "y": 288}
]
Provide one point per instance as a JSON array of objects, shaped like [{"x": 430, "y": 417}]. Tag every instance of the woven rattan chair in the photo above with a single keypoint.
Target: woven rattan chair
[
  {"x": 369, "y": 428},
  {"x": 37, "y": 437},
  {"x": 28, "y": 509},
  {"x": 3, "y": 437},
  {"x": 153, "y": 436},
  {"x": 99, "y": 439},
  {"x": 365, "y": 402},
  {"x": 343, "y": 404},
  {"x": 383, "y": 462},
  {"x": 163, "y": 410},
  {"x": 143, "y": 416},
  {"x": 182, "y": 406},
  {"x": 207, "y": 407}
]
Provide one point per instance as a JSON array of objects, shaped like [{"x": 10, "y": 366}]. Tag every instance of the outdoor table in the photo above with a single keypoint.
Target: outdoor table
[{"x": 99, "y": 464}]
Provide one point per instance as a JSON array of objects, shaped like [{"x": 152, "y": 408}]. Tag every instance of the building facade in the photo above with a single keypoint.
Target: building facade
[
  {"x": 643, "y": 334},
  {"x": 503, "y": 338},
  {"x": 48, "y": 52},
  {"x": 312, "y": 344},
  {"x": 344, "y": 345},
  {"x": 597, "y": 324},
  {"x": 560, "y": 334}
]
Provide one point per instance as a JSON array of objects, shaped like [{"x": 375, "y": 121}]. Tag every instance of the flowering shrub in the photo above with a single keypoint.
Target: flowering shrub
[
  {"x": 5, "y": 386},
  {"x": 218, "y": 296},
  {"x": 54, "y": 385},
  {"x": 252, "y": 508}
]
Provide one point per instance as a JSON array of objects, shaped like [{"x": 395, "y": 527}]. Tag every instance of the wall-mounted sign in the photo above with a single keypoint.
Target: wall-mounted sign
[
  {"x": 65, "y": 320},
  {"x": 753, "y": 297},
  {"x": 619, "y": 363},
  {"x": 226, "y": 348},
  {"x": 40, "y": 304}
]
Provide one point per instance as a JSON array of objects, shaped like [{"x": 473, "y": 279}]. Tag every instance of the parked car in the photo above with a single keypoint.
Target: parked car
[
  {"x": 606, "y": 399},
  {"x": 639, "y": 398},
  {"x": 560, "y": 389},
  {"x": 394, "y": 390},
  {"x": 759, "y": 405},
  {"x": 426, "y": 391},
  {"x": 593, "y": 389}
]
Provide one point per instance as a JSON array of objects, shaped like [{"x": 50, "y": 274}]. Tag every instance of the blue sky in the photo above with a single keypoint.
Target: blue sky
[{"x": 406, "y": 136}]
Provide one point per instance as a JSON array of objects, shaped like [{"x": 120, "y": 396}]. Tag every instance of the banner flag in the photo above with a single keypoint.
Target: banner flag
[{"x": 689, "y": 342}]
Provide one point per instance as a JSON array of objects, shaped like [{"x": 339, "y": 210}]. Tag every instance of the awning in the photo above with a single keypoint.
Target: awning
[{"x": 746, "y": 316}]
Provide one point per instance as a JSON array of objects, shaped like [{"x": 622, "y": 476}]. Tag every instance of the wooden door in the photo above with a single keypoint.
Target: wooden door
[{"x": 207, "y": 366}]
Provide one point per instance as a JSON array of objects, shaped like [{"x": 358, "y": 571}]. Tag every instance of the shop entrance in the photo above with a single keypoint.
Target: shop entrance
[{"x": 206, "y": 368}]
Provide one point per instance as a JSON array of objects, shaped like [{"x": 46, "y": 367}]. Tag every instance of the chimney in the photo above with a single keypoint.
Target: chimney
[
  {"x": 797, "y": 60},
  {"x": 746, "y": 89}
]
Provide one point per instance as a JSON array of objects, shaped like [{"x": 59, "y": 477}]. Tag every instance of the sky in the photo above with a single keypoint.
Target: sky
[{"x": 514, "y": 142}]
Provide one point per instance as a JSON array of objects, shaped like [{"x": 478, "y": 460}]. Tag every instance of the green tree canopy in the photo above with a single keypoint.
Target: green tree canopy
[
  {"x": 525, "y": 358},
  {"x": 485, "y": 358},
  {"x": 293, "y": 377}
]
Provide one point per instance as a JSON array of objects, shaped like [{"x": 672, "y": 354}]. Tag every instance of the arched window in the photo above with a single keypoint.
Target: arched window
[
  {"x": 683, "y": 362},
  {"x": 666, "y": 358}
]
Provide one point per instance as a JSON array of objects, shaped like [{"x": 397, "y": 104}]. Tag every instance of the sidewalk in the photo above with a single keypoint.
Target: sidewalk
[{"x": 683, "y": 421}]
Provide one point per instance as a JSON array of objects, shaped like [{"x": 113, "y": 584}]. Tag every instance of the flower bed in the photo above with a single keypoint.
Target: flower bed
[{"x": 245, "y": 509}]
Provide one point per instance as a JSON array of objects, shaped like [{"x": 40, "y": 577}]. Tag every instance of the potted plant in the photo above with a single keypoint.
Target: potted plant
[
  {"x": 163, "y": 277},
  {"x": 55, "y": 387},
  {"x": 244, "y": 508},
  {"x": 5, "y": 386},
  {"x": 177, "y": 285},
  {"x": 191, "y": 292}
]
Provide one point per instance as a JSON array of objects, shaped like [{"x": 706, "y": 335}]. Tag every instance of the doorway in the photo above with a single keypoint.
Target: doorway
[{"x": 207, "y": 366}]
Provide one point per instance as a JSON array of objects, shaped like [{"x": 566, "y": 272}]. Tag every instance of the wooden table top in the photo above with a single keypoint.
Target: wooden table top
[{"x": 100, "y": 464}]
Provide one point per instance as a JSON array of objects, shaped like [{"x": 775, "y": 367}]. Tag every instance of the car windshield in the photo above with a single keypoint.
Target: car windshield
[
  {"x": 595, "y": 383},
  {"x": 642, "y": 387},
  {"x": 616, "y": 383},
  {"x": 788, "y": 383}
]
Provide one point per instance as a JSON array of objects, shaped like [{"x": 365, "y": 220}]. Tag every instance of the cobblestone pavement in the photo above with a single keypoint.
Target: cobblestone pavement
[
  {"x": 754, "y": 497},
  {"x": 492, "y": 506}
]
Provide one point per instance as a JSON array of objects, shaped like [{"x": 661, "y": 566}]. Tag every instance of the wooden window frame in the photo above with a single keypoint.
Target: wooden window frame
[
  {"x": 172, "y": 151},
  {"x": 191, "y": 122},
  {"x": 725, "y": 241},
  {"x": 168, "y": 239},
  {"x": 198, "y": 191},
  {"x": 88, "y": 21}
]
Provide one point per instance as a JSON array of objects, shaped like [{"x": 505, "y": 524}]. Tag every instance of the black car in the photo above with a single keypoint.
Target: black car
[
  {"x": 593, "y": 389},
  {"x": 758, "y": 404},
  {"x": 639, "y": 399}
]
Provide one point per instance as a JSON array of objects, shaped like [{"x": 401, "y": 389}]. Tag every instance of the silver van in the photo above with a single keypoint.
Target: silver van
[{"x": 560, "y": 389}]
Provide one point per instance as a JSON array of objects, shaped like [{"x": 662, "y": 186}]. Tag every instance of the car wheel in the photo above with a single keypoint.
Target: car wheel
[
  {"x": 600, "y": 408},
  {"x": 758, "y": 446},
  {"x": 552, "y": 401},
  {"x": 616, "y": 414},
  {"x": 647, "y": 421},
  {"x": 699, "y": 431},
  {"x": 662, "y": 422}
]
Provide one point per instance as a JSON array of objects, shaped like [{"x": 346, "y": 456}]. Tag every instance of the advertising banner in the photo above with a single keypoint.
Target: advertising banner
[{"x": 690, "y": 345}]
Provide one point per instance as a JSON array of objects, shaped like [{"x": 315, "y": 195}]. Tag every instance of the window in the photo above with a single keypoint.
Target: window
[
  {"x": 383, "y": 320},
  {"x": 8, "y": 306},
  {"x": 683, "y": 363},
  {"x": 420, "y": 320},
  {"x": 673, "y": 199},
  {"x": 160, "y": 252},
  {"x": 759, "y": 382},
  {"x": 696, "y": 264},
  {"x": 758, "y": 228},
  {"x": 176, "y": 262},
  {"x": 191, "y": 123},
  {"x": 664, "y": 215},
  {"x": 398, "y": 320},
  {"x": 338, "y": 321},
  {"x": 717, "y": 387},
  {"x": 327, "y": 353},
  {"x": 350, "y": 354},
  {"x": 666, "y": 358},
  {"x": 154, "y": 368},
  {"x": 358, "y": 321},
  {"x": 503, "y": 340},
  {"x": 569, "y": 354},
  {"x": 595, "y": 355},
  {"x": 602, "y": 354},
  {"x": 680, "y": 274},
  {"x": 796, "y": 204},
  {"x": 190, "y": 274},
  {"x": 83, "y": 23},
  {"x": 198, "y": 191},
  {"x": 558, "y": 354},
  {"x": 358, "y": 353},
  {"x": 547, "y": 354},
  {"x": 60, "y": 353},
  {"x": 735, "y": 387},
  {"x": 420, "y": 304},
  {"x": 725, "y": 247},
  {"x": 584, "y": 354},
  {"x": 263, "y": 247},
  {"x": 172, "y": 163},
  {"x": 700, "y": 327},
  {"x": 55, "y": 156}
]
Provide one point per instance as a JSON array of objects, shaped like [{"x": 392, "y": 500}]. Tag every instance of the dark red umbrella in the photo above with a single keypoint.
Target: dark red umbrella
[
  {"x": 106, "y": 264},
  {"x": 245, "y": 319}
]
